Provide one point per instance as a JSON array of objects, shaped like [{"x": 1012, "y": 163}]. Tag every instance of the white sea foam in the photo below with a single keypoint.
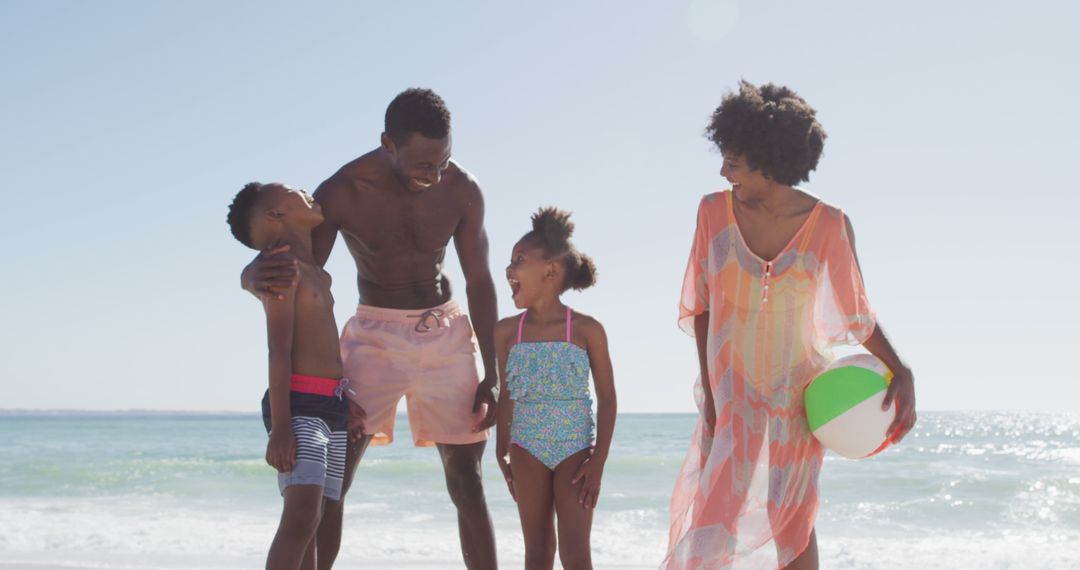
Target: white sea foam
[{"x": 987, "y": 490}]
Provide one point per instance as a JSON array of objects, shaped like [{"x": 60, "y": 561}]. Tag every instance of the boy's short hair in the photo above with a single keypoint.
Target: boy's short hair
[
  {"x": 775, "y": 128},
  {"x": 241, "y": 210},
  {"x": 417, "y": 110}
]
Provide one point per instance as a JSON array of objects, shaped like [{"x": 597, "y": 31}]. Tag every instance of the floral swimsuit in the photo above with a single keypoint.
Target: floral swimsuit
[{"x": 549, "y": 383}]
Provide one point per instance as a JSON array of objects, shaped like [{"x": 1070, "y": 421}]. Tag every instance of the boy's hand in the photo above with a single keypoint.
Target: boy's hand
[
  {"x": 589, "y": 474},
  {"x": 281, "y": 450},
  {"x": 357, "y": 415},
  {"x": 508, "y": 474},
  {"x": 270, "y": 274}
]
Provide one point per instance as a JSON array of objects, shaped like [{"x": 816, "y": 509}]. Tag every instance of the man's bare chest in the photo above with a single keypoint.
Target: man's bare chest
[{"x": 398, "y": 228}]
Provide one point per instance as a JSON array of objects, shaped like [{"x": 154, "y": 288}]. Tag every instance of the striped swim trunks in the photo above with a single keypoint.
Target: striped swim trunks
[{"x": 319, "y": 424}]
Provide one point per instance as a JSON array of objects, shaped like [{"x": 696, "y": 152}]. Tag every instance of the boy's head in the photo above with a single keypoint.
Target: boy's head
[
  {"x": 417, "y": 138},
  {"x": 263, "y": 213},
  {"x": 773, "y": 128}
]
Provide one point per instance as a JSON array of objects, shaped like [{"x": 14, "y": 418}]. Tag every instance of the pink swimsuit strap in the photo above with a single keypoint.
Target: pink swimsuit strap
[
  {"x": 521, "y": 323},
  {"x": 568, "y": 324}
]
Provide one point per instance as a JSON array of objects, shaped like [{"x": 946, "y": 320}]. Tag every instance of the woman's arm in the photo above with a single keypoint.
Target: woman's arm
[
  {"x": 901, "y": 388},
  {"x": 701, "y": 335}
]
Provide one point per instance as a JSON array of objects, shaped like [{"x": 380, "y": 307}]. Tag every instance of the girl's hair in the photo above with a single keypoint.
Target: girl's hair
[{"x": 551, "y": 232}]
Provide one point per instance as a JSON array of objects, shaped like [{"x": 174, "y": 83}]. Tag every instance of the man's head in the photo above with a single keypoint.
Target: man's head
[
  {"x": 770, "y": 129},
  {"x": 417, "y": 138},
  {"x": 262, "y": 213}
]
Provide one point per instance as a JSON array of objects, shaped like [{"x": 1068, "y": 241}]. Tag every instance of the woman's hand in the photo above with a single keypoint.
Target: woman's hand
[{"x": 902, "y": 390}]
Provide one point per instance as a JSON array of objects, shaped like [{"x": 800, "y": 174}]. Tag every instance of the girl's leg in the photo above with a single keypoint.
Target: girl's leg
[
  {"x": 575, "y": 521},
  {"x": 532, "y": 485},
  {"x": 296, "y": 531}
]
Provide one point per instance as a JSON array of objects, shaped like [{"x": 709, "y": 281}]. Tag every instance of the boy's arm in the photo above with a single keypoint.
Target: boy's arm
[
  {"x": 606, "y": 407},
  {"x": 281, "y": 449},
  {"x": 471, "y": 243}
]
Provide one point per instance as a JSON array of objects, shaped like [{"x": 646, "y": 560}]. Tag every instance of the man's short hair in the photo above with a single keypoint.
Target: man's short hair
[{"x": 419, "y": 111}]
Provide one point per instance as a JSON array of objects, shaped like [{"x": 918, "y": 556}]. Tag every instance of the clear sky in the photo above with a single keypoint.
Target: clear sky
[{"x": 127, "y": 127}]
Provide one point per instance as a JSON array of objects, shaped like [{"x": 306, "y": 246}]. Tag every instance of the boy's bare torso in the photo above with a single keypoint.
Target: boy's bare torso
[{"x": 315, "y": 348}]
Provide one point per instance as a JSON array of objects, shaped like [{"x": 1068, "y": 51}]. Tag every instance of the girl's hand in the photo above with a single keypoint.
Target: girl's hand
[
  {"x": 589, "y": 474},
  {"x": 901, "y": 389},
  {"x": 281, "y": 450},
  {"x": 508, "y": 474}
]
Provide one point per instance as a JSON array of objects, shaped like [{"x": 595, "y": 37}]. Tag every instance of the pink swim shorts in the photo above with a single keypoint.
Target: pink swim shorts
[{"x": 430, "y": 356}]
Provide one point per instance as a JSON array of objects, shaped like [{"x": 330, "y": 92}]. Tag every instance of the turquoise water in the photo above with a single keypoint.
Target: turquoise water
[{"x": 192, "y": 491}]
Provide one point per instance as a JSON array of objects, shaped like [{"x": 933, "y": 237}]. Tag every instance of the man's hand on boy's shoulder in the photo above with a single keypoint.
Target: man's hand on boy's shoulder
[{"x": 271, "y": 274}]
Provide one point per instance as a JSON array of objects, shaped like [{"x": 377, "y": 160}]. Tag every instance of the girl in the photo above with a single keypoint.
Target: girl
[
  {"x": 772, "y": 283},
  {"x": 545, "y": 427}
]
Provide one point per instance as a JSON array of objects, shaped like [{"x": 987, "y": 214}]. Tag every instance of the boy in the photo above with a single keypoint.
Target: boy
[{"x": 303, "y": 409}]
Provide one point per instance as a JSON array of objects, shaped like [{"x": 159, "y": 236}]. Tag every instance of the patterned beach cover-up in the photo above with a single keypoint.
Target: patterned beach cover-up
[{"x": 747, "y": 494}]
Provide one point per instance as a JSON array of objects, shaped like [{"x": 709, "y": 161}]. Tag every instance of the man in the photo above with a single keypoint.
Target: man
[{"x": 397, "y": 208}]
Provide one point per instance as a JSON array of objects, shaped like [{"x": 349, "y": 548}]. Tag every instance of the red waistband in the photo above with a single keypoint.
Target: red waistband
[{"x": 315, "y": 385}]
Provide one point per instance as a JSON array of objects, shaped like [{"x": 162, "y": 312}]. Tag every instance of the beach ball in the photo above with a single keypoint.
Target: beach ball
[{"x": 843, "y": 406}]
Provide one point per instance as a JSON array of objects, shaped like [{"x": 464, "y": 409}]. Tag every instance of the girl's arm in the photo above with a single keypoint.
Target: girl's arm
[
  {"x": 281, "y": 449},
  {"x": 505, "y": 407},
  {"x": 701, "y": 335},
  {"x": 606, "y": 407}
]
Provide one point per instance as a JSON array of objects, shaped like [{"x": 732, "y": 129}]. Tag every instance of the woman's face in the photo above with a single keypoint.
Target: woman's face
[{"x": 738, "y": 172}]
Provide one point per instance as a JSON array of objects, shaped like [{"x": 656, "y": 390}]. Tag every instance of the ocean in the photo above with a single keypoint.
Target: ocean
[{"x": 191, "y": 491}]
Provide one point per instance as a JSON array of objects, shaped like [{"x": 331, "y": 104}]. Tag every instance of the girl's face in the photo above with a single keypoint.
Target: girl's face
[
  {"x": 740, "y": 175},
  {"x": 531, "y": 277}
]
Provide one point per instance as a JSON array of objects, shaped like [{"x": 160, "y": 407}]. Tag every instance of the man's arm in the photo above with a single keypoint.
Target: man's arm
[
  {"x": 332, "y": 196},
  {"x": 471, "y": 243}
]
